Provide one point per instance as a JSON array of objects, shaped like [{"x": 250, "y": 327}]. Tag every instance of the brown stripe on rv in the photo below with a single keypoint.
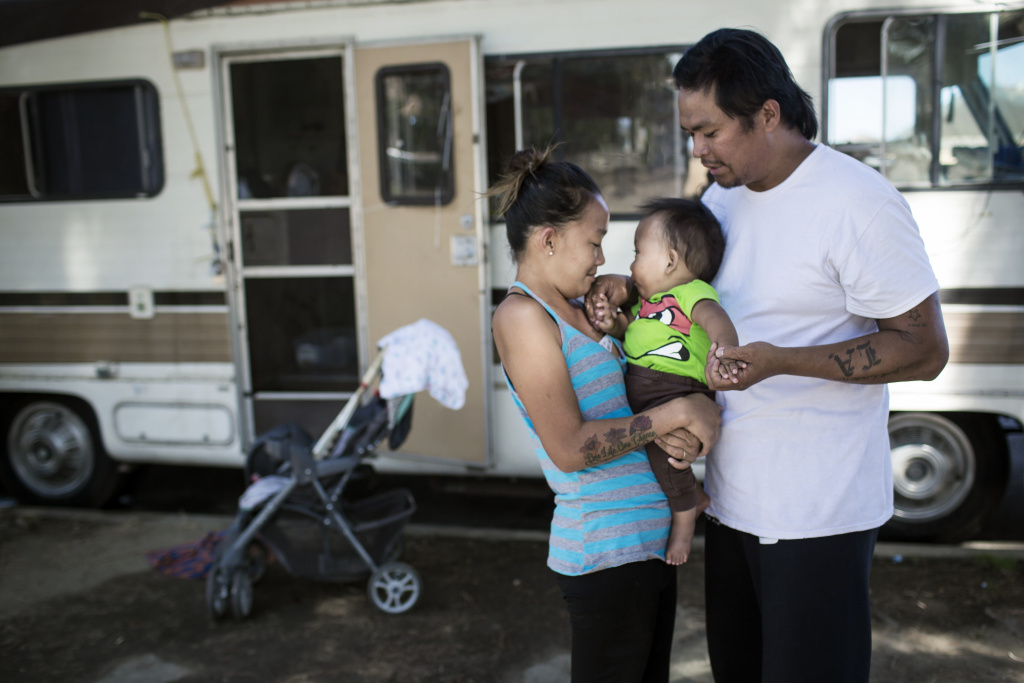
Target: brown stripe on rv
[
  {"x": 984, "y": 296},
  {"x": 70, "y": 299},
  {"x": 86, "y": 338},
  {"x": 985, "y": 337}
]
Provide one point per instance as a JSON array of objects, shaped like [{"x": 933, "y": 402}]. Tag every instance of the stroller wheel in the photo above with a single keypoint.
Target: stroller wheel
[
  {"x": 241, "y": 593},
  {"x": 216, "y": 593},
  {"x": 394, "y": 588}
]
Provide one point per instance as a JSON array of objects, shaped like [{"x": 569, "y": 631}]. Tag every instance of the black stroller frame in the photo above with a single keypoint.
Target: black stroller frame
[{"x": 351, "y": 539}]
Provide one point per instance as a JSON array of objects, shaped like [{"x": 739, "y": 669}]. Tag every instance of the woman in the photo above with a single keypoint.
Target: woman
[{"x": 611, "y": 519}]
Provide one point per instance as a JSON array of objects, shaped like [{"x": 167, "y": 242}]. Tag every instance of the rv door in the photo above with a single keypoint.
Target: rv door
[{"x": 420, "y": 142}]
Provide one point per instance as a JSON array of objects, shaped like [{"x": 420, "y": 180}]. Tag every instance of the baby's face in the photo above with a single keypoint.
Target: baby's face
[
  {"x": 656, "y": 267},
  {"x": 652, "y": 257}
]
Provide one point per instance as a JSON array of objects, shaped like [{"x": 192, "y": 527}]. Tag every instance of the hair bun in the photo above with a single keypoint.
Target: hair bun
[
  {"x": 525, "y": 163},
  {"x": 528, "y": 161}
]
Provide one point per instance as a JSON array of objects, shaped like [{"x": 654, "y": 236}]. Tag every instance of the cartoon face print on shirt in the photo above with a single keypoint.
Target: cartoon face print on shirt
[{"x": 668, "y": 312}]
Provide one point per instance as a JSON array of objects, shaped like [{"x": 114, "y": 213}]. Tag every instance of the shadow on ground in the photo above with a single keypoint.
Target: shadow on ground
[{"x": 490, "y": 611}]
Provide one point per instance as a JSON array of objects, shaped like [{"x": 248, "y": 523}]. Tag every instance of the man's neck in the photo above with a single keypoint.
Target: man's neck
[{"x": 792, "y": 148}]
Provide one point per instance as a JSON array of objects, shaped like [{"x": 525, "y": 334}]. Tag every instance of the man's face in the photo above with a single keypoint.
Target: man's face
[{"x": 732, "y": 155}]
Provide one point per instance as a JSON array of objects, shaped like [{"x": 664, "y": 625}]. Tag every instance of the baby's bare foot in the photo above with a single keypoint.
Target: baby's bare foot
[{"x": 680, "y": 539}]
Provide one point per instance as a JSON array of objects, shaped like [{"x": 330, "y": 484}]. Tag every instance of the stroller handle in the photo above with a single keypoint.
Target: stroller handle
[{"x": 323, "y": 444}]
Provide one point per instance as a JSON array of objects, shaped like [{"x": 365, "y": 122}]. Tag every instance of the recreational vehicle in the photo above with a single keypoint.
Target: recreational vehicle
[{"x": 208, "y": 223}]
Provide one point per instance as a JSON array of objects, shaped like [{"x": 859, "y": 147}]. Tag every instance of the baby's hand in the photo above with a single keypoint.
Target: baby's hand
[
  {"x": 600, "y": 312},
  {"x": 729, "y": 369}
]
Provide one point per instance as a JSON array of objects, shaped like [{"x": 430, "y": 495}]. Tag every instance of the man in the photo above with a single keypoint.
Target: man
[
  {"x": 828, "y": 284},
  {"x": 827, "y": 281}
]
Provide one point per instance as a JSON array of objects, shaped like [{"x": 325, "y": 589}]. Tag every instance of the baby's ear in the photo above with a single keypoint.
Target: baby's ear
[{"x": 673, "y": 259}]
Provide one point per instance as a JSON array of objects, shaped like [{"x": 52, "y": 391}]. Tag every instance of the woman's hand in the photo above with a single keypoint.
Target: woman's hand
[
  {"x": 678, "y": 444},
  {"x": 704, "y": 419}
]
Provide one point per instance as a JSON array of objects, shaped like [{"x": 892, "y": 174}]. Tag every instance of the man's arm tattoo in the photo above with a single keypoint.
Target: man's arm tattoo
[
  {"x": 862, "y": 353},
  {"x": 858, "y": 360},
  {"x": 618, "y": 442}
]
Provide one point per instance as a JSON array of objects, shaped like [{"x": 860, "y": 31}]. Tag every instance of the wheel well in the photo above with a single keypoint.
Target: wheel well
[
  {"x": 10, "y": 404},
  {"x": 986, "y": 435},
  {"x": 986, "y": 432},
  {"x": 977, "y": 424}
]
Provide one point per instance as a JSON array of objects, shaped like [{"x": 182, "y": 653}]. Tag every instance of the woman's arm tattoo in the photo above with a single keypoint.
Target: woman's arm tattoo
[{"x": 618, "y": 441}]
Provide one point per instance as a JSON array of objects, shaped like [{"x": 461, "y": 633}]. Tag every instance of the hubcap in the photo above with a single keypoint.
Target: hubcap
[
  {"x": 933, "y": 467},
  {"x": 51, "y": 450}
]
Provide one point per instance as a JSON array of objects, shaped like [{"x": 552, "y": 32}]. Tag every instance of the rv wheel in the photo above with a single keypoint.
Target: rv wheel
[
  {"x": 394, "y": 588},
  {"x": 949, "y": 475},
  {"x": 54, "y": 455}
]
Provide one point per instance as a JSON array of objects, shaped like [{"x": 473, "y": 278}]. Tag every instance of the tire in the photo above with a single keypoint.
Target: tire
[
  {"x": 949, "y": 475},
  {"x": 54, "y": 455},
  {"x": 394, "y": 588},
  {"x": 241, "y": 593},
  {"x": 216, "y": 594}
]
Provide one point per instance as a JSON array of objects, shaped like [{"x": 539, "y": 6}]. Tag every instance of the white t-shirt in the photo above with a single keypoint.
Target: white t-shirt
[{"x": 815, "y": 260}]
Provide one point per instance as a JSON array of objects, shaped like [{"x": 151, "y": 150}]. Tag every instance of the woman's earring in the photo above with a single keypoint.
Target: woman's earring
[{"x": 551, "y": 253}]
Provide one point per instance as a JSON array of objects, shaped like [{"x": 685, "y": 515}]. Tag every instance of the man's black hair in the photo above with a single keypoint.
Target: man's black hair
[{"x": 745, "y": 70}]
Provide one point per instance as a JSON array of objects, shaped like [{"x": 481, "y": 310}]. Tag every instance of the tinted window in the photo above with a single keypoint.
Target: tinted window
[
  {"x": 415, "y": 128},
  {"x": 86, "y": 141},
  {"x": 931, "y": 100},
  {"x": 614, "y": 113}
]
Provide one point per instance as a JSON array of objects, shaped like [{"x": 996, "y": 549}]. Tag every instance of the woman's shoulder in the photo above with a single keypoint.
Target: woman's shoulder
[{"x": 519, "y": 312}]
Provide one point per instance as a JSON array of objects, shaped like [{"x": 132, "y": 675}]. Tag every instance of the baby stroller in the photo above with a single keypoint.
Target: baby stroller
[{"x": 296, "y": 509}]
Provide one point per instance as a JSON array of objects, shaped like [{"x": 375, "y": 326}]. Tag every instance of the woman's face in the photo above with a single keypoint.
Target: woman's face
[{"x": 578, "y": 249}]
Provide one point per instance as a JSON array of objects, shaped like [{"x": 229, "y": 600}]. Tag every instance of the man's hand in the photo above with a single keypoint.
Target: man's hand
[{"x": 738, "y": 367}]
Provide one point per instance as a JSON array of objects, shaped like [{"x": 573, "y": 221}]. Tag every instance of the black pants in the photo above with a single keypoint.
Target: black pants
[
  {"x": 788, "y": 612},
  {"x": 622, "y": 622}
]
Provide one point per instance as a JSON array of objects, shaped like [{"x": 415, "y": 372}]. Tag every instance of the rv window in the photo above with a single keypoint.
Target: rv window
[
  {"x": 931, "y": 100},
  {"x": 13, "y": 182},
  {"x": 415, "y": 129},
  {"x": 613, "y": 112},
  {"x": 87, "y": 141}
]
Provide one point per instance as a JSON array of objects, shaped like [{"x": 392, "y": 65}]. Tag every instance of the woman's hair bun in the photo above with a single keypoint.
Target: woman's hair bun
[
  {"x": 528, "y": 161},
  {"x": 537, "y": 190},
  {"x": 525, "y": 163}
]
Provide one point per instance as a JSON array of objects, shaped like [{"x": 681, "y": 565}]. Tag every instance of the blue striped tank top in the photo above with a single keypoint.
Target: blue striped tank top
[{"x": 610, "y": 514}]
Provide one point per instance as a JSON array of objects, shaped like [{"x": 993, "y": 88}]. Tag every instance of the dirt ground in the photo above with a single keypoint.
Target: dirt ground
[{"x": 78, "y": 603}]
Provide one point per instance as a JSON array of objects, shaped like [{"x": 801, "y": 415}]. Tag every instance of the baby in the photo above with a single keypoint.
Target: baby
[{"x": 674, "y": 316}]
